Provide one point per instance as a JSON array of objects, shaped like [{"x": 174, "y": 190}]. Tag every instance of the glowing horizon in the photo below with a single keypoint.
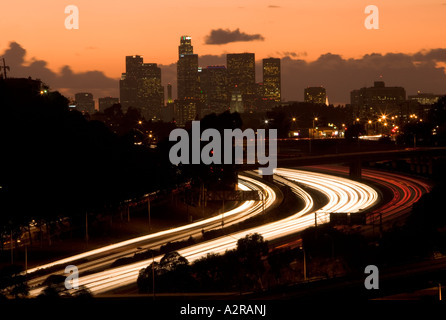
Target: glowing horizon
[{"x": 110, "y": 30}]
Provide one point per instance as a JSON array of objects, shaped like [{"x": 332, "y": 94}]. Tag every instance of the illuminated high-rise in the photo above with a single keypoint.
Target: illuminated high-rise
[
  {"x": 128, "y": 86},
  {"x": 271, "y": 79},
  {"x": 242, "y": 76},
  {"x": 373, "y": 101},
  {"x": 185, "y": 46},
  {"x": 187, "y": 70},
  {"x": 188, "y": 87},
  {"x": 150, "y": 91},
  {"x": 140, "y": 87},
  {"x": 214, "y": 84}
]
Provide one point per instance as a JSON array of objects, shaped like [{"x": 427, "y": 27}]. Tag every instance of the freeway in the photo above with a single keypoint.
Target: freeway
[
  {"x": 343, "y": 195},
  {"x": 405, "y": 190},
  {"x": 102, "y": 258}
]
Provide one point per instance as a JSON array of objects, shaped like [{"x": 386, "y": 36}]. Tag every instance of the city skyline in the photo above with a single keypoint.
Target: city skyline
[
  {"x": 253, "y": 151},
  {"x": 303, "y": 35}
]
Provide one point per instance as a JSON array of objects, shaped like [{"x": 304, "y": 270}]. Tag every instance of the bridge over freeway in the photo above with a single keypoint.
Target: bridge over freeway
[{"x": 356, "y": 159}]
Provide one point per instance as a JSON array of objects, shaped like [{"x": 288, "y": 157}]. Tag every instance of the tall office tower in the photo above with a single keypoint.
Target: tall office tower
[
  {"x": 373, "y": 101},
  {"x": 214, "y": 84},
  {"x": 140, "y": 87},
  {"x": 107, "y": 102},
  {"x": 316, "y": 95},
  {"x": 133, "y": 66},
  {"x": 241, "y": 75},
  {"x": 128, "y": 85},
  {"x": 150, "y": 91},
  {"x": 187, "y": 70},
  {"x": 185, "y": 46},
  {"x": 271, "y": 79},
  {"x": 169, "y": 93},
  {"x": 84, "y": 102}
]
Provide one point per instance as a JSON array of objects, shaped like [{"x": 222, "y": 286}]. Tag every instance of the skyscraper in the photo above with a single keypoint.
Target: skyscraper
[
  {"x": 185, "y": 46},
  {"x": 140, "y": 87},
  {"x": 271, "y": 79},
  {"x": 150, "y": 91},
  {"x": 187, "y": 70},
  {"x": 242, "y": 76},
  {"x": 188, "y": 87},
  {"x": 128, "y": 83},
  {"x": 214, "y": 84}
]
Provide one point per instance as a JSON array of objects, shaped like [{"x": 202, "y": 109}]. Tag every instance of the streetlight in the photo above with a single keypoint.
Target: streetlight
[
  {"x": 315, "y": 119},
  {"x": 312, "y": 133}
]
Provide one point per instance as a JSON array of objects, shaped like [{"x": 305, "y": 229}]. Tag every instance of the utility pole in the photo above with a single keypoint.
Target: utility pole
[{"x": 4, "y": 67}]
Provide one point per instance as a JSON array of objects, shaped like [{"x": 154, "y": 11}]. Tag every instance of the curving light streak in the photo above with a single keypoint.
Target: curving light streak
[
  {"x": 343, "y": 195},
  {"x": 106, "y": 255},
  {"x": 406, "y": 190}
]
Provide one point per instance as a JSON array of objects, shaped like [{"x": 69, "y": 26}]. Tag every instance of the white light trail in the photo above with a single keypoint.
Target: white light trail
[{"x": 343, "y": 195}]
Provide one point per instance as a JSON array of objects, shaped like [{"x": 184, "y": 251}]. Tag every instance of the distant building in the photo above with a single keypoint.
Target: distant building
[
  {"x": 187, "y": 106},
  {"x": 373, "y": 101},
  {"x": 84, "y": 102},
  {"x": 150, "y": 91},
  {"x": 242, "y": 77},
  {"x": 187, "y": 70},
  {"x": 107, "y": 102},
  {"x": 271, "y": 79},
  {"x": 214, "y": 85},
  {"x": 425, "y": 98},
  {"x": 317, "y": 95}
]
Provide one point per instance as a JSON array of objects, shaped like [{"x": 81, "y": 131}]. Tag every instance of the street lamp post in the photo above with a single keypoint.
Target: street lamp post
[{"x": 312, "y": 133}]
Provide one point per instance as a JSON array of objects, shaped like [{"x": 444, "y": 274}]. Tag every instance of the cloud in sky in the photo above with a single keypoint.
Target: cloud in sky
[
  {"x": 66, "y": 80},
  {"x": 423, "y": 70},
  {"x": 223, "y": 36}
]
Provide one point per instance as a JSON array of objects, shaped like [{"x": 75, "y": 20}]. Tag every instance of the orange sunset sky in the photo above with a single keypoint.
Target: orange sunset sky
[{"x": 111, "y": 29}]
